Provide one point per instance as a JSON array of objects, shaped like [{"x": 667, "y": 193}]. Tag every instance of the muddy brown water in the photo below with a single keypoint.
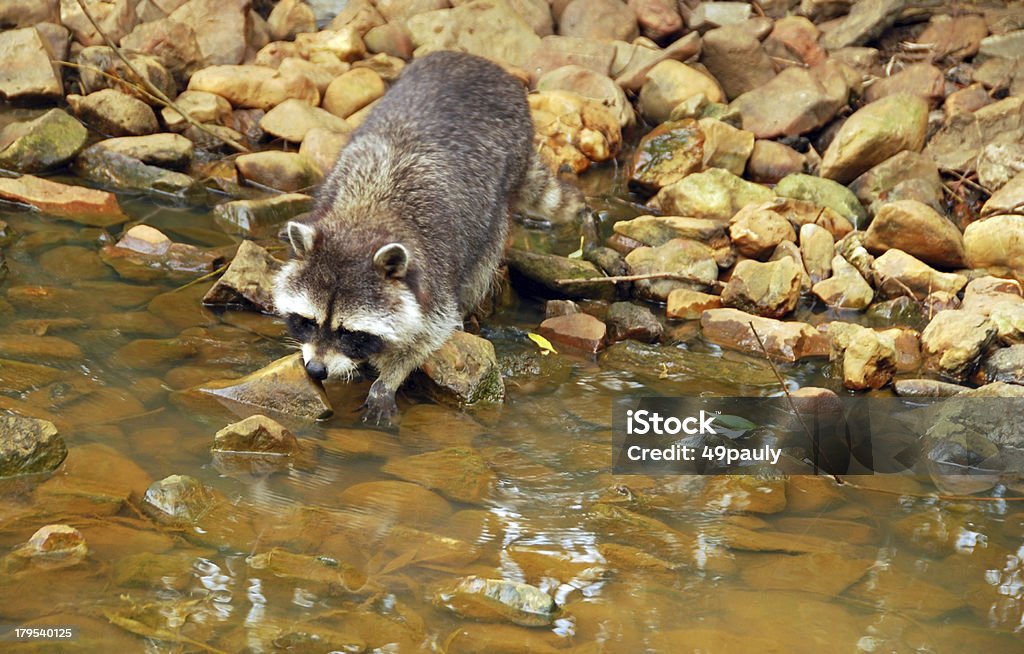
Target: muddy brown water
[{"x": 332, "y": 551}]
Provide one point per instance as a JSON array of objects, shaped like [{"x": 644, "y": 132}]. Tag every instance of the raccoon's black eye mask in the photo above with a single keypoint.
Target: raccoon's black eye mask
[
  {"x": 300, "y": 327},
  {"x": 355, "y": 345}
]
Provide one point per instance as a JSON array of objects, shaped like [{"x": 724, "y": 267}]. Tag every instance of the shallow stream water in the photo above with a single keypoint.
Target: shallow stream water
[{"x": 635, "y": 562}]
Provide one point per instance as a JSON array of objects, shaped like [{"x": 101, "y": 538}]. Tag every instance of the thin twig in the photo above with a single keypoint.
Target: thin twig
[
  {"x": 156, "y": 92},
  {"x": 615, "y": 279},
  {"x": 199, "y": 280}
]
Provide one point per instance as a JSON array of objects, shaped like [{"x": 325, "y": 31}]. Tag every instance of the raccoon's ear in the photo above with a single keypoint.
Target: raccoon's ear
[
  {"x": 392, "y": 260},
  {"x": 301, "y": 237}
]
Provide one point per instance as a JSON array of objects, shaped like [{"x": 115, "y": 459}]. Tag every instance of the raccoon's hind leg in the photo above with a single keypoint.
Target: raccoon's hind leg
[{"x": 545, "y": 196}]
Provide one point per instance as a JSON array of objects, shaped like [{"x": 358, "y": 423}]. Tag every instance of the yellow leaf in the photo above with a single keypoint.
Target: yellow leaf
[
  {"x": 578, "y": 254},
  {"x": 543, "y": 343}
]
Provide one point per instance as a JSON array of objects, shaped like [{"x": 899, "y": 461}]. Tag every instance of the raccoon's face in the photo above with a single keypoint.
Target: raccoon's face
[{"x": 344, "y": 301}]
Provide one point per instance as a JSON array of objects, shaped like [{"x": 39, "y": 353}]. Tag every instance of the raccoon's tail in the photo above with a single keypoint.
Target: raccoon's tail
[{"x": 545, "y": 196}]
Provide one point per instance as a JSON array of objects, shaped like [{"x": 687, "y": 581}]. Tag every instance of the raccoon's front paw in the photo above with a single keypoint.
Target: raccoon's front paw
[{"x": 380, "y": 408}]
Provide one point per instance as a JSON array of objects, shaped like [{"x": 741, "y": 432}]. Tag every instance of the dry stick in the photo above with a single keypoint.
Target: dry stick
[
  {"x": 154, "y": 91},
  {"x": 199, "y": 280},
  {"x": 682, "y": 277},
  {"x": 789, "y": 398}
]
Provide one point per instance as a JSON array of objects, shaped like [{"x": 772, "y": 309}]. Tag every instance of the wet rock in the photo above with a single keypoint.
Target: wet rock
[
  {"x": 1004, "y": 365},
  {"x": 76, "y": 203},
  {"x": 657, "y": 230},
  {"x": 255, "y": 87},
  {"x": 578, "y": 331},
  {"x": 669, "y": 83},
  {"x": 685, "y": 304},
  {"x": 260, "y": 217},
  {"x": 50, "y": 547},
  {"x": 671, "y": 366},
  {"x": 631, "y": 321},
  {"x": 1007, "y": 199},
  {"x": 926, "y": 388},
  {"x": 846, "y": 288},
  {"x": 905, "y": 176},
  {"x": 29, "y": 446},
  {"x": 874, "y": 133},
  {"x": 866, "y": 358},
  {"x": 572, "y": 130},
  {"x": 954, "y": 342},
  {"x": 744, "y": 494},
  {"x": 824, "y": 193},
  {"x": 756, "y": 231},
  {"x": 692, "y": 260},
  {"x": 960, "y": 141},
  {"x": 817, "y": 248},
  {"x": 996, "y": 242},
  {"x": 546, "y": 269},
  {"x": 284, "y": 171},
  {"x": 202, "y": 106},
  {"x": 917, "y": 229},
  {"x": 789, "y": 341},
  {"x": 29, "y": 73},
  {"x": 322, "y": 147},
  {"x": 736, "y": 59},
  {"x": 714, "y": 194},
  {"x": 668, "y": 153},
  {"x": 458, "y": 473},
  {"x": 814, "y": 98},
  {"x": 282, "y": 387},
  {"x": 164, "y": 150},
  {"x": 496, "y": 599},
  {"x": 585, "y": 82},
  {"x": 598, "y": 19},
  {"x": 768, "y": 289},
  {"x": 112, "y": 168},
  {"x": 292, "y": 119},
  {"x": 898, "y": 273},
  {"x": 249, "y": 280},
  {"x": 255, "y": 434},
  {"x": 103, "y": 69},
  {"x": 49, "y": 141},
  {"x": 178, "y": 500},
  {"x": 488, "y": 28},
  {"x": 290, "y": 17},
  {"x": 465, "y": 371},
  {"x": 114, "y": 113},
  {"x": 352, "y": 91}
]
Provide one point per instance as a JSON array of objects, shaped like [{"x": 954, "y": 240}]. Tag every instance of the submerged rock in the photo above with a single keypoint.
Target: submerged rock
[
  {"x": 111, "y": 168},
  {"x": 178, "y": 500},
  {"x": 282, "y": 387},
  {"x": 29, "y": 445},
  {"x": 458, "y": 473},
  {"x": 144, "y": 253},
  {"x": 47, "y": 142},
  {"x": 497, "y": 599},
  {"x": 256, "y": 434},
  {"x": 465, "y": 369},
  {"x": 249, "y": 279},
  {"x": 257, "y": 217},
  {"x": 77, "y": 203}
]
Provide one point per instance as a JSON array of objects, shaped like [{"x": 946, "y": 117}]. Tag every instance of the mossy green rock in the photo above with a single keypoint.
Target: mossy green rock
[
  {"x": 47, "y": 142},
  {"x": 668, "y": 153},
  {"x": 824, "y": 193},
  {"x": 29, "y": 445},
  {"x": 465, "y": 370},
  {"x": 120, "y": 171},
  {"x": 715, "y": 194},
  {"x": 545, "y": 269}
]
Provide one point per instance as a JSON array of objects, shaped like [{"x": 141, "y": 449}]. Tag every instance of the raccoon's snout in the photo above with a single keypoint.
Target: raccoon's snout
[{"x": 316, "y": 370}]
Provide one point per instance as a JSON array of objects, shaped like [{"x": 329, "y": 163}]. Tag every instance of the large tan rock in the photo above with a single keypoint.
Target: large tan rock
[
  {"x": 670, "y": 82},
  {"x": 352, "y": 91},
  {"x": 594, "y": 86},
  {"x": 27, "y": 72},
  {"x": 290, "y": 17},
  {"x": 788, "y": 341},
  {"x": 996, "y": 242},
  {"x": 572, "y": 130},
  {"x": 770, "y": 289},
  {"x": 898, "y": 273},
  {"x": 219, "y": 26},
  {"x": 284, "y": 171},
  {"x": 598, "y": 19},
  {"x": 114, "y": 113},
  {"x": 172, "y": 43},
  {"x": 715, "y": 194},
  {"x": 756, "y": 231},
  {"x": 115, "y": 17},
  {"x": 253, "y": 87},
  {"x": 292, "y": 119},
  {"x": 954, "y": 342},
  {"x": 917, "y": 229},
  {"x": 83, "y": 205},
  {"x": 692, "y": 260},
  {"x": 846, "y": 288},
  {"x": 49, "y": 141},
  {"x": 202, "y": 106},
  {"x": 737, "y": 59},
  {"x": 817, "y": 247},
  {"x": 813, "y": 97},
  {"x": 489, "y": 28}
]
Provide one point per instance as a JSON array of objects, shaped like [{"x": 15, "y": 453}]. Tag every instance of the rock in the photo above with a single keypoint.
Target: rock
[
  {"x": 572, "y": 130},
  {"x": 627, "y": 320},
  {"x": 996, "y": 242},
  {"x": 905, "y": 176},
  {"x": 352, "y": 91},
  {"x": 545, "y": 269},
  {"x": 714, "y": 194},
  {"x": 558, "y": 51},
  {"x": 322, "y": 147},
  {"x": 292, "y": 119},
  {"x": 321, "y": 73},
  {"x": 998, "y": 162},
  {"x": 1008, "y": 45},
  {"x": 29, "y": 446},
  {"x": 725, "y": 146},
  {"x": 344, "y": 45},
  {"x": 465, "y": 371},
  {"x": 814, "y": 97},
  {"x": 598, "y": 20},
  {"x": 28, "y": 73},
  {"x": 594, "y": 86},
  {"x": 577, "y": 331},
  {"x": 110, "y": 168},
  {"x": 248, "y": 280},
  {"x": 103, "y": 69},
  {"x": 165, "y": 150},
  {"x": 668, "y": 153},
  {"x": 144, "y": 253},
  {"x": 458, "y": 473},
  {"x": 290, "y": 17},
  {"x": 770, "y": 161},
  {"x": 954, "y": 38},
  {"x": 396, "y": 501},
  {"x": 865, "y": 21},
  {"x": 795, "y": 38},
  {"x": 788, "y": 341},
  {"x": 790, "y": 250},
  {"x": 392, "y": 39},
  {"x": 874, "y": 133},
  {"x": 115, "y": 18},
  {"x": 79, "y": 204},
  {"x": 282, "y": 387},
  {"x": 173, "y": 44},
  {"x": 47, "y": 142},
  {"x": 692, "y": 260},
  {"x": 284, "y": 171},
  {"x": 113, "y": 113},
  {"x": 26, "y": 13},
  {"x": 817, "y": 247},
  {"x": 866, "y": 358},
  {"x": 917, "y": 229},
  {"x": 178, "y": 499},
  {"x": 669, "y": 83},
  {"x": 714, "y": 14},
  {"x": 1006, "y": 200},
  {"x": 490, "y": 599},
  {"x": 633, "y": 61},
  {"x": 959, "y": 142},
  {"x": 658, "y": 230},
  {"x": 824, "y": 193},
  {"x": 256, "y": 87},
  {"x": 202, "y": 106},
  {"x": 846, "y": 288},
  {"x": 554, "y": 308},
  {"x": 898, "y": 273},
  {"x": 658, "y": 19},
  {"x": 1004, "y": 365},
  {"x": 488, "y": 28},
  {"x": 755, "y": 231},
  {"x": 966, "y": 100},
  {"x": 684, "y": 304},
  {"x": 768, "y": 289},
  {"x": 954, "y": 342},
  {"x": 925, "y": 388},
  {"x": 259, "y": 217},
  {"x": 921, "y": 80},
  {"x": 736, "y": 59},
  {"x": 37, "y": 349},
  {"x": 219, "y": 26},
  {"x": 255, "y": 434}
]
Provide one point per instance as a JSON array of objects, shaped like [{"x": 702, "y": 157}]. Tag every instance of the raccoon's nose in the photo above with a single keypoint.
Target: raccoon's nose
[{"x": 316, "y": 370}]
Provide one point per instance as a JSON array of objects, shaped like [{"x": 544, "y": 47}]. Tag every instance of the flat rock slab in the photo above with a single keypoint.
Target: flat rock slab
[
  {"x": 577, "y": 331},
  {"x": 82, "y": 205},
  {"x": 27, "y": 72},
  {"x": 789, "y": 341},
  {"x": 282, "y": 387}
]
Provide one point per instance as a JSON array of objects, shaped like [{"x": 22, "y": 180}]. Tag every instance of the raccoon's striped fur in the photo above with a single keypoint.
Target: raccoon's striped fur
[{"x": 411, "y": 223}]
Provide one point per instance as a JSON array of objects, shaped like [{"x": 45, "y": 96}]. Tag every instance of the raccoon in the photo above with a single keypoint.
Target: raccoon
[{"x": 409, "y": 227}]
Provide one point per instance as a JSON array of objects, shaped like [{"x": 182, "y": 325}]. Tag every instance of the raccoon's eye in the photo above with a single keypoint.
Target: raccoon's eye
[
  {"x": 360, "y": 345},
  {"x": 300, "y": 327}
]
